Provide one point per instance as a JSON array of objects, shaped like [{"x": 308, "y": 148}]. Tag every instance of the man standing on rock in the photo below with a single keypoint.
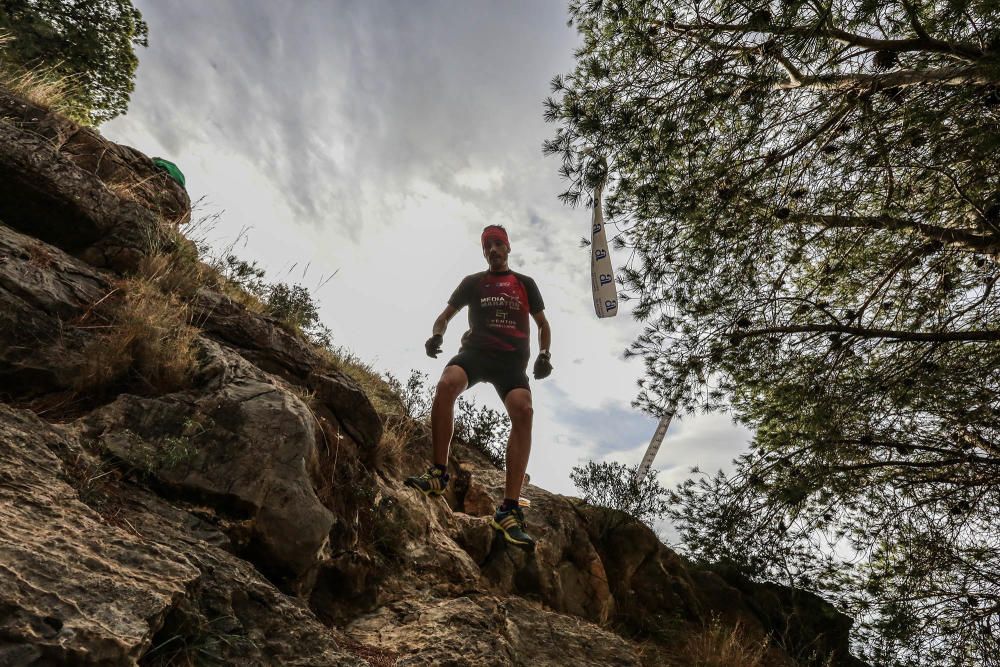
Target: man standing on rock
[{"x": 495, "y": 349}]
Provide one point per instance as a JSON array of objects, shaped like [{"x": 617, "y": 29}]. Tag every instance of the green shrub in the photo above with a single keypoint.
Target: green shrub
[{"x": 614, "y": 485}]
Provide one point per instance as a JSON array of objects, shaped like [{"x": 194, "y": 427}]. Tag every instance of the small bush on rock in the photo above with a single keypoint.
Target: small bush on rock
[
  {"x": 614, "y": 485},
  {"x": 484, "y": 429}
]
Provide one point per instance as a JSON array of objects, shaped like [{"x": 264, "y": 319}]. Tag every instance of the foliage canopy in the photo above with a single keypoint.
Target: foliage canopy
[
  {"x": 809, "y": 198},
  {"x": 89, "y": 43}
]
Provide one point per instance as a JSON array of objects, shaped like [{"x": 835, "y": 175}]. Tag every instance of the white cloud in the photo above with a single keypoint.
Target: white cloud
[{"x": 479, "y": 179}]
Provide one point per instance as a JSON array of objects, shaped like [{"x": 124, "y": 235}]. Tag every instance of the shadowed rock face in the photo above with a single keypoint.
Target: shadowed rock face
[
  {"x": 44, "y": 194},
  {"x": 254, "y": 517},
  {"x": 70, "y": 186},
  {"x": 42, "y": 292}
]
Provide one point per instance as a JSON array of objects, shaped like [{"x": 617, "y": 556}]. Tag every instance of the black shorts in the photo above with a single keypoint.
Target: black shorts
[{"x": 504, "y": 370}]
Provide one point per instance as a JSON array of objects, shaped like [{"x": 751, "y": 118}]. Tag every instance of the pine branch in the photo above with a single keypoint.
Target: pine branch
[
  {"x": 946, "y": 76},
  {"x": 966, "y": 239},
  {"x": 911, "y": 13},
  {"x": 963, "y": 51},
  {"x": 987, "y": 335},
  {"x": 895, "y": 463}
]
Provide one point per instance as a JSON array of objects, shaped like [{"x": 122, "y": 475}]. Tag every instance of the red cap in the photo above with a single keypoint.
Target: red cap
[{"x": 494, "y": 232}]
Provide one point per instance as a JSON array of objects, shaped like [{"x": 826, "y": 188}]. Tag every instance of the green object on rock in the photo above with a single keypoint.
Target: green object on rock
[{"x": 171, "y": 169}]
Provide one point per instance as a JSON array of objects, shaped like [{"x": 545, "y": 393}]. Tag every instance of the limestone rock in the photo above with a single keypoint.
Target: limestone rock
[
  {"x": 265, "y": 343},
  {"x": 565, "y": 571},
  {"x": 145, "y": 584},
  {"x": 799, "y": 618},
  {"x": 232, "y": 615},
  {"x": 654, "y": 586},
  {"x": 238, "y": 440},
  {"x": 487, "y": 631},
  {"x": 73, "y": 589},
  {"x": 426, "y": 532},
  {"x": 650, "y": 582},
  {"x": 475, "y": 535},
  {"x": 46, "y": 194}
]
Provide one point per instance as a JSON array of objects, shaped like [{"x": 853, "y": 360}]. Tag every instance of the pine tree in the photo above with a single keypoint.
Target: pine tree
[
  {"x": 809, "y": 196},
  {"x": 90, "y": 43}
]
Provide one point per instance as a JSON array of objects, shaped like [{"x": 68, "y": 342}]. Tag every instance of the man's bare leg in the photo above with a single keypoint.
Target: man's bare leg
[
  {"x": 452, "y": 383},
  {"x": 518, "y": 404}
]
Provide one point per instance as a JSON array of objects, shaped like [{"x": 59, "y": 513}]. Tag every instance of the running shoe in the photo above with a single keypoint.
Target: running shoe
[
  {"x": 431, "y": 483},
  {"x": 511, "y": 524}
]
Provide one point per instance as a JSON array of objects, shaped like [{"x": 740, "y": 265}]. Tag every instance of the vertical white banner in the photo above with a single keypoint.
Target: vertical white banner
[
  {"x": 658, "y": 435},
  {"x": 602, "y": 274}
]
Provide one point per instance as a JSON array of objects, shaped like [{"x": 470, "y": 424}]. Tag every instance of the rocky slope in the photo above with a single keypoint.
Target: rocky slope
[{"x": 184, "y": 480}]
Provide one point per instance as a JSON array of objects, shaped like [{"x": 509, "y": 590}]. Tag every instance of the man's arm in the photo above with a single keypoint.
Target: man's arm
[
  {"x": 441, "y": 323},
  {"x": 433, "y": 344},
  {"x": 543, "y": 365},
  {"x": 544, "y": 332}
]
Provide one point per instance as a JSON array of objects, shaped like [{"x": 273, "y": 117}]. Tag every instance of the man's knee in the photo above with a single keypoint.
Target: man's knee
[
  {"x": 452, "y": 383},
  {"x": 519, "y": 406}
]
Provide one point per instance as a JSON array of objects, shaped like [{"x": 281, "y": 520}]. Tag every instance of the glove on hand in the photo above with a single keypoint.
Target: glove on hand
[
  {"x": 543, "y": 367},
  {"x": 433, "y": 345}
]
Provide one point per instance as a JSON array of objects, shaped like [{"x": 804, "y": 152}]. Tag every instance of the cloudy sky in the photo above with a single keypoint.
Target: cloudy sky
[{"x": 375, "y": 140}]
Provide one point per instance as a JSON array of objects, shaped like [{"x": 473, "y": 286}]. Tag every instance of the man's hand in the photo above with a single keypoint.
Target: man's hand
[
  {"x": 543, "y": 367},
  {"x": 433, "y": 345}
]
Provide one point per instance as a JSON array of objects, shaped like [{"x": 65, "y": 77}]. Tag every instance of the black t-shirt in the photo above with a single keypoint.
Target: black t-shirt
[{"x": 499, "y": 304}]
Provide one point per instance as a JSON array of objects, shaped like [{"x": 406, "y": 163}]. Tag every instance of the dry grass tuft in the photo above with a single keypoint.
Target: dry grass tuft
[
  {"x": 145, "y": 338},
  {"x": 39, "y": 86},
  {"x": 140, "y": 191},
  {"x": 398, "y": 427},
  {"x": 718, "y": 645},
  {"x": 398, "y": 431},
  {"x": 204, "y": 267},
  {"x": 42, "y": 86},
  {"x": 385, "y": 399},
  {"x": 177, "y": 271},
  {"x": 174, "y": 263},
  {"x": 251, "y": 302}
]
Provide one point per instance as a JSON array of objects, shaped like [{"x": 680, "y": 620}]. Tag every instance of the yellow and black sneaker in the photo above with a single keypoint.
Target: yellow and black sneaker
[
  {"x": 431, "y": 483},
  {"x": 511, "y": 524}
]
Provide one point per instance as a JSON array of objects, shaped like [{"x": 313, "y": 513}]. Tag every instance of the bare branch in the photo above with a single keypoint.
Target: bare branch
[
  {"x": 947, "y": 76},
  {"x": 891, "y": 463},
  {"x": 966, "y": 239},
  {"x": 794, "y": 75},
  {"x": 911, "y": 13},
  {"x": 862, "y": 332},
  {"x": 962, "y": 51}
]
